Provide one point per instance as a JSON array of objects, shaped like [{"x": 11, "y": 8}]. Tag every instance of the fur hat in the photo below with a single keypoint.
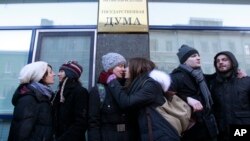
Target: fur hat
[
  {"x": 162, "y": 78},
  {"x": 33, "y": 72},
  {"x": 185, "y": 52},
  {"x": 72, "y": 69},
  {"x": 110, "y": 60}
]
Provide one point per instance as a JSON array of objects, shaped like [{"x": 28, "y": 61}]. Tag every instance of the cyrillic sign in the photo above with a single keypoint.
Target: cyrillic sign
[{"x": 123, "y": 16}]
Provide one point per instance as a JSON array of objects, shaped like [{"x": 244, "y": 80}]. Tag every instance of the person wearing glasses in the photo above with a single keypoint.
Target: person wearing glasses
[
  {"x": 32, "y": 118},
  {"x": 70, "y": 104}
]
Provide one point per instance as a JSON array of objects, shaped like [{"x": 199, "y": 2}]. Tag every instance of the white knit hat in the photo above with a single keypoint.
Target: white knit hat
[
  {"x": 110, "y": 60},
  {"x": 33, "y": 72}
]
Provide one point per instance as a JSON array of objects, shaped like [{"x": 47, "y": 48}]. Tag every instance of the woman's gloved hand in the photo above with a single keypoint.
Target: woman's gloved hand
[{"x": 111, "y": 77}]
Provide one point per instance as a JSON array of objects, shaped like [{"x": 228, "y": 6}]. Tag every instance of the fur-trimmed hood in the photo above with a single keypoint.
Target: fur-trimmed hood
[{"x": 162, "y": 78}]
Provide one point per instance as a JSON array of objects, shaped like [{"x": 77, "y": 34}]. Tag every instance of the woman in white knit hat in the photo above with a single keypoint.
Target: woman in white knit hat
[
  {"x": 32, "y": 118},
  {"x": 107, "y": 122}
]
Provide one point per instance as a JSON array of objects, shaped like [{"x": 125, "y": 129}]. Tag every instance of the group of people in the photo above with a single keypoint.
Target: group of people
[
  {"x": 40, "y": 114},
  {"x": 122, "y": 104}
]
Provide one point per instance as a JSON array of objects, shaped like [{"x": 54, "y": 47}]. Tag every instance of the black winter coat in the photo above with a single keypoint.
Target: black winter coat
[
  {"x": 105, "y": 117},
  {"x": 32, "y": 117},
  {"x": 70, "y": 117},
  {"x": 143, "y": 96},
  {"x": 231, "y": 102},
  {"x": 231, "y": 97},
  {"x": 186, "y": 86}
]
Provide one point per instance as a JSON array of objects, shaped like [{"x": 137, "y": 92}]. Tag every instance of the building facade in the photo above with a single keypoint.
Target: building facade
[{"x": 61, "y": 31}]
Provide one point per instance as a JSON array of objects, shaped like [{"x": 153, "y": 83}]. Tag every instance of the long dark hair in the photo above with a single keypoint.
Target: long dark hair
[{"x": 137, "y": 67}]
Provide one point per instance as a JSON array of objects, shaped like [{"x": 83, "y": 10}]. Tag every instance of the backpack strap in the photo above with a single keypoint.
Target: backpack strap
[
  {"x": 149, "y": 121},
  {"x": 142, "y": 84},
  {"x": 150, "y": 129}
]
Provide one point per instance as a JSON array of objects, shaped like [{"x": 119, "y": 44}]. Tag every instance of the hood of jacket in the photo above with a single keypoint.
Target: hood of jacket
[
  {"x": 231, "y": 57},
  {"x": 25, "y": 89}
]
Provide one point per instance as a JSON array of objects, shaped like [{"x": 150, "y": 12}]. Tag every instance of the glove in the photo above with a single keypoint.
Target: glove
[{"x": 111, "y": 77}]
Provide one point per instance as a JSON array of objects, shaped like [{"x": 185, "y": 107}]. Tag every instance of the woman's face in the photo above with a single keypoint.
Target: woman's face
[
  {"x": 61, "y": 75},
  {"x": 119, "y": 71},
  {"x": 50, "y": 78}
]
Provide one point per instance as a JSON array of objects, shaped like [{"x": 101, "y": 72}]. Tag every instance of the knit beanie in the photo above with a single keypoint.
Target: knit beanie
[
  {"x": 110, "y": 60},
  {"x": 72, "y": 69},
  {"x": 185, "y": 52},
  {"x": 33, "y": 72}
]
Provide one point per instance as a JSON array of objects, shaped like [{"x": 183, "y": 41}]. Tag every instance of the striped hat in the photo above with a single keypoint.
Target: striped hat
[{"x": 72, "y": 69}]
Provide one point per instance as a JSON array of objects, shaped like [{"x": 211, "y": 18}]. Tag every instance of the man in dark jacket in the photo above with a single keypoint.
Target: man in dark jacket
[
  {"x": 189, "y": 83},
  {"x": 231, "y": 94}
]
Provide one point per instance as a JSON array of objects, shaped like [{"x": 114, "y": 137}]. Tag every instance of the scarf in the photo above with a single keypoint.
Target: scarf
[
  {"x": 199, "y": 77},
  {"x": 43, "y": 89},
  {"x": 62, "y": 98}
]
